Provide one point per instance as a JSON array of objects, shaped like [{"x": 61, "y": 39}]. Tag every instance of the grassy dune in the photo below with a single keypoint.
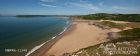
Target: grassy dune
[{"x": 131, "y": 37}]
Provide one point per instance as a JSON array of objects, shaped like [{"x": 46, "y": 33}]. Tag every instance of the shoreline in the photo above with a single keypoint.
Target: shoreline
[
  {"x": 48, "y": 44},
  {"x": 74, "y": 33},
  {"x": 81, "y": 36}
]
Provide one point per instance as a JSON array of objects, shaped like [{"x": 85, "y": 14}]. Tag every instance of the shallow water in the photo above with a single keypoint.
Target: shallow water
[{"x": 20, "y": 35}]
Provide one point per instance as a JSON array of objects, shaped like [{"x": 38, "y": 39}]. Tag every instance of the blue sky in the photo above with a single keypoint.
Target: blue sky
[{"x": 68, "y": 7}]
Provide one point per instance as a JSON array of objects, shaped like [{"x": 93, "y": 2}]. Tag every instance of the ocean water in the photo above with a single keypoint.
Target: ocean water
[{"x": 19, "y": 35}]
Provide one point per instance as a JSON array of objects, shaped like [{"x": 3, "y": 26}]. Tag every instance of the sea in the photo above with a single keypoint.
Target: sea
[{"x": 20, "y": 36}]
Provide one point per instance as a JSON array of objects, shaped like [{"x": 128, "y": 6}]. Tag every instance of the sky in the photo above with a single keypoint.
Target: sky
[{"x": 68, "y": 7}]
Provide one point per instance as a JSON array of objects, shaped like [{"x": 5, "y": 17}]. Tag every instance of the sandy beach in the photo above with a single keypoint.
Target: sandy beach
[{"x": 82, "y": 35}]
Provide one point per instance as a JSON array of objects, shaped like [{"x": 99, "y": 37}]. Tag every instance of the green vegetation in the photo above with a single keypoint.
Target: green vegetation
[
  {"x": 132, "y": 34},
  {"x": 133, "y": 25},
  {"x": 117, "y": 17},
  {"x": 113, "y": 25}
]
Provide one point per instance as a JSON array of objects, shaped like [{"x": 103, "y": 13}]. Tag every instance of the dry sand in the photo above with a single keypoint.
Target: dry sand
[
  {"x": 83, "y": 35},
  {"x": 116, "y": 21}
]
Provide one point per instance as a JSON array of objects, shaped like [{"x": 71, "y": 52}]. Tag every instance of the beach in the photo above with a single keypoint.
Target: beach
[{"x": 80, "y": 36}]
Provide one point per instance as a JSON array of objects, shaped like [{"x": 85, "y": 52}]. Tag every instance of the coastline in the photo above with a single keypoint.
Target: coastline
[
  {"x": 44, "y": 47},
  {"x": 82, "y": 35},
  {"x": 79, "y": 34}
]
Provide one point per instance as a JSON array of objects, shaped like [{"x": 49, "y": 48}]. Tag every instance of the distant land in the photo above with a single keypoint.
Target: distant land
[{"x": 43, "y": 15}]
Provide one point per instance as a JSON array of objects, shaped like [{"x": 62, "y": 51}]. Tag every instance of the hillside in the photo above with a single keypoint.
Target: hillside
[{"x": 117, "y": 17}]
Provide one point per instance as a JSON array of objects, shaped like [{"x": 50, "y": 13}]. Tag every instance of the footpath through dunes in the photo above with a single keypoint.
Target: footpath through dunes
[{"x": 82, "y": 35}]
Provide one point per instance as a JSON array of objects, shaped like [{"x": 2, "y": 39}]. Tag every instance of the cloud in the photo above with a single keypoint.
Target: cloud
[
  {"x": 83, "y": 1},
  {"x": 84, "y": 5},
  {"x": 47, "y": 0},
  {"x": 46, "y": 5},
  {"x": 101, "y": 3},
  {"x": 120, "y": 8}
]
